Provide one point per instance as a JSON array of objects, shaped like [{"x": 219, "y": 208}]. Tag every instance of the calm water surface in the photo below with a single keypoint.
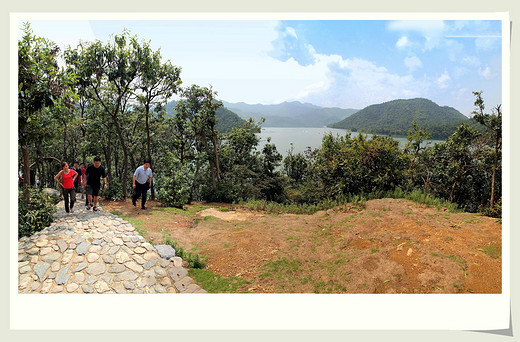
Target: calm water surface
[{"x": 282, "y": 137}]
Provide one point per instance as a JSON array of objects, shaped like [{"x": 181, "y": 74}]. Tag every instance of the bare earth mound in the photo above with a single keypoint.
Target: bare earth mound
[{"x": 389, "y": 246}]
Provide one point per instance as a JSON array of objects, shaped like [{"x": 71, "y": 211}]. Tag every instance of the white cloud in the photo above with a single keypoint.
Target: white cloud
[
  {"x": 485, "y": 73},
  {"x": 487, "y": 43},
  {"x": 471, "y": 61},
  {"x": 357, "y": 83},
  {"x": 403, "y": 42},
  {"x": 413, "y": 63},
  {"x": 291, "y": 31},
  {"x": 444, "y": 80},
  {"x": 431, "y": 30}
]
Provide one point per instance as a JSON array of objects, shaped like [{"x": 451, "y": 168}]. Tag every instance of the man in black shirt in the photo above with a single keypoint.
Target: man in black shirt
[{"x": 93, "y": 174}]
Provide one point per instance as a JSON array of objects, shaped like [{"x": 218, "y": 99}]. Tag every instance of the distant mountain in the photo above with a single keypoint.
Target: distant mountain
[
  {"x": 290, "y": 114},
  {"x": 226, "y": 119},
  {"x": 395, "y": 118}
]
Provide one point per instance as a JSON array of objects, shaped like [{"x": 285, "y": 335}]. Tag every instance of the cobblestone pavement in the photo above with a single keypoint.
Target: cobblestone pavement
[{"x": 96, "y": 252}]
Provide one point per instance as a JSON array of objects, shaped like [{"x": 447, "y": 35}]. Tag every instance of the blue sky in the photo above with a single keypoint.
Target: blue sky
[{"x": 336, "y": 63}]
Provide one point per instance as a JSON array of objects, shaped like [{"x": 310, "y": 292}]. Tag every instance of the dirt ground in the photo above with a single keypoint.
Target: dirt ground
[{"x": 387, "y": 246}]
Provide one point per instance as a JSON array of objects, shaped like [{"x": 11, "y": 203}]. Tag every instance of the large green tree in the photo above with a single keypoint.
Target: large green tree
[
  {"x": 493, "y": 124},
  {"x": 40, "y": 85},
  {"x": 111, "y": 72}
]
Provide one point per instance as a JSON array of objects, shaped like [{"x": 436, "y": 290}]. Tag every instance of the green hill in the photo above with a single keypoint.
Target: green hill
[
  {"x": 290, "y": 114},
  {"x": 395, "y": 118},
  {"x": 226, "y": 119}
]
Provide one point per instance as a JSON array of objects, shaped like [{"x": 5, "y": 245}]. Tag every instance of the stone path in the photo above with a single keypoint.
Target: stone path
[{"x": 96, "y": 252}]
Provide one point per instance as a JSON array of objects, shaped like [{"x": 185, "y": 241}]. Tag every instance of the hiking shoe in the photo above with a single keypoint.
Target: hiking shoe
[
  {"x": 144, "y": 208},
  {"x": 72, "y": 210},
  {"x": 88, "y": 207},
  {"x": 95, "y": 209},
  {"x": 133, "y": 202}
]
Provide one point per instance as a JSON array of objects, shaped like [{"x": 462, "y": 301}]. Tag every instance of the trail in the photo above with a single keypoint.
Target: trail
[{"x": 96, "y": 252}]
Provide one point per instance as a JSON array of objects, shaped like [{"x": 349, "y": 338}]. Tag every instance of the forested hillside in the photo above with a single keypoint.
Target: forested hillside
[
  {"x": 395, "y": 118},
  {"x": 290, "y": 114},
  {"x": 226, "y": 119}
]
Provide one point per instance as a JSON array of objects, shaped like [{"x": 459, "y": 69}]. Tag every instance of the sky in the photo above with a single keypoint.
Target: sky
[{"x": 329, "y": 63}]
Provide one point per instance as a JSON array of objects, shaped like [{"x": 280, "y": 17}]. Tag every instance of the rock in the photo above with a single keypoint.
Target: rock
[
  {"x": 177, "y": 273},
  {"x": 177, "y": 261},
  {"x": 91, "y": 257},
  {"x": 410, "y": 251},
  {"x": 87, "y": 288},
  {"x": 72, "y": 287},
  {"x": 140, "y": 250},
  {"x": 117, "y": 241},
  {"x": 183, "y": 284},
  {"x": 51, "y": 257},
  {"x": 41, "y": 269},
  {"x": 149, "y": 264},
  {"x": 108, "y": 259},
  {"x": 62, "y": 245},
  {"x": 62, "y": 276},
  {"x": 96, "y": 269},
  {"x": 83, "y": 248},
  {"x": 117, "y": 268},
  {"x": 80, "y": 267},
  {"x": 134, "y": 266}
]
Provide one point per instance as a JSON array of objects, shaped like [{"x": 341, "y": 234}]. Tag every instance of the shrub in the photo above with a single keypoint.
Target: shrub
[
  {"x": 174, "y": 187},
  {"x": 37, "y": 213},
  {"x": 114, "y": 190}
]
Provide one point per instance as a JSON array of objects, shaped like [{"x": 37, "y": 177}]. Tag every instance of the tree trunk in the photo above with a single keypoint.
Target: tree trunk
[
  {"x": 125, "y": 156},
  {"x": 214, "y": 135},
  {"x": 211, "y": 166}
]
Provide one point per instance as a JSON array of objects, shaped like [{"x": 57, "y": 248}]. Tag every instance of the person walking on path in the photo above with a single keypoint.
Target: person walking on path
[
  {"x": 141, "y": 182},
  {"x": 83, "y": 181},
  {"x": 66, "y": 178},
  {"x": 77, "y": 183},
  {"x": 93, "y": 174}
]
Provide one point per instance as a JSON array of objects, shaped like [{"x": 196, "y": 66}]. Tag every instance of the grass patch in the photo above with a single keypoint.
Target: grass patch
[
  {"x": 195, "y": 260},
  {"x": 214, "y": 283},
  {"x": 494, "y": 251},
  {"x": 284, "y": 268}
]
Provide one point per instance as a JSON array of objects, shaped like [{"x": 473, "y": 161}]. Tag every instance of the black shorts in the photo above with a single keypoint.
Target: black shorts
[{"x": 91, "y": 190}]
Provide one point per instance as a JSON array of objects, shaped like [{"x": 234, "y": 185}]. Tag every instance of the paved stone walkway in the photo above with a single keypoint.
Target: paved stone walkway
[{"x": 96, "y": 252}]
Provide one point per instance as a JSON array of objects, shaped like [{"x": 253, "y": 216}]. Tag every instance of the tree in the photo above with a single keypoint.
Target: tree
[
  {"x": 493, "y": 124},
  {"x": 111, "y": 72},
  {"x": 416, "y": 137},
  {"x": 198, "y": 107},
  {"x": 40, "y": 84},
  {"x": 157, "y": 83}
]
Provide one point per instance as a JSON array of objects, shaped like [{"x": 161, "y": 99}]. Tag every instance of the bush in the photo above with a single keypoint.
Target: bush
[
  {"x": 495, "y": 211},
  {"x": 174, "y": 187},
  {"x": 114, "y": 190},
  {"x": 37, "y": 213}
]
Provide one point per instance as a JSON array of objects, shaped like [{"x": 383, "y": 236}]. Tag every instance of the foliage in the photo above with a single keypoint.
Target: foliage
[
  {"x": 346, "y": 165},
  {"x": 194, "y": 260},
  {"x": 173, "y": 186},
  {"x": 37, "y": 213},
  {"x": 114, "y": 190}
]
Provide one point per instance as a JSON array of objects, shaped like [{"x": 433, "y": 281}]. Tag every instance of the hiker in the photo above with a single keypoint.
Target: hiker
[
  {"x": 83, "y": 181},
  {"x": 93, "y": 174},
  {"x": 141, "y": 182},
  {"x": 77, "y": 184},
  {"x": 66, "y": 178}
]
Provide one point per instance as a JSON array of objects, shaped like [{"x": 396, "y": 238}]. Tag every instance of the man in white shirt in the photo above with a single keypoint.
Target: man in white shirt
[{"x": 141, "y": 182}]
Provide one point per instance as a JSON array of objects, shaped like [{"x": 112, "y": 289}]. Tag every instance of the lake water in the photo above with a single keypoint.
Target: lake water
[{"x": 302, "y": 137}]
